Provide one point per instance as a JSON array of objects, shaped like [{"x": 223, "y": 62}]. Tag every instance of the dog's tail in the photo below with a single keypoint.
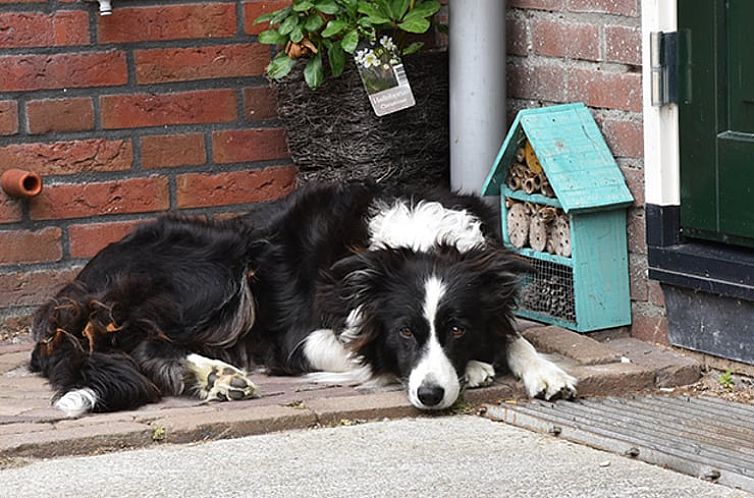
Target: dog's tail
[{"x": 84, "y": 379}]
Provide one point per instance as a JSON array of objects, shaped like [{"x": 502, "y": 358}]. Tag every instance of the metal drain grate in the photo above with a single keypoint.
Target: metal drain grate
[{"x": 704, "y": 437}]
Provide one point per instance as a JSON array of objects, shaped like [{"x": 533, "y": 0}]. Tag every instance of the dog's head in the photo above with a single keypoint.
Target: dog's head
[{"x": 424, "y": 316}]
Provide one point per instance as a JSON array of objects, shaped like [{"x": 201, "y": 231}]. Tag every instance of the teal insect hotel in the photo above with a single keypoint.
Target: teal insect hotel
[{"x": 563, "y": 200}]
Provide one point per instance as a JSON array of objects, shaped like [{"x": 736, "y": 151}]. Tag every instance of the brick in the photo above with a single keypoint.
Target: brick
[
  {"x": 87, "y": 240},
  {"x": 635, "y": 181},
  {"x": 10, "y": 209},
  {"x": 168, "y": 22},
  {"x": 637, "y": 234},
  {"x": 537, "y": 82},
  {"x": 252, "y": 10},
  {"x": 235, "y": 187},
  {"x": 76, "y": 70},
  {"x": 623, "y": 44},
  {"x": 34, "y": 29},
  {"x": 649, "y": 324},
  {"x": 236, "y": 146},
  {"x": 71, "y": 157},
  {"x": 565, "y": 39},
  {"x": 30, "y": 288},
  {"x": 612, "y": 379},
  {"x": 516, "y": 36},
  {"x": 537, "y": 4},
  {"x": 618, "y": 7},
  {"x": 137, "y": 195},
  {"x": 200, "y": 63},
  {"x": 149, "y": 109},
  {"x": 603, "y": 89},
  {"x": 259, "y": 103},
  {"x": 656, "y": 294},
  {"x": 578, "y": 347},
  {"x": 671, "y": 369},
  {"x": 625, "y": 138},
  {"x": 8, "y": 117},
  {"x": 637, "y": 273},
  {"x": 170, "y": 151},
  {"x": 60, "y": 115},
  {"x": 26, "y": 246}
]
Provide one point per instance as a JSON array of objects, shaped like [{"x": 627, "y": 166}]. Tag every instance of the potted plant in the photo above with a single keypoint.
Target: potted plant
[{"x": 333, "y": 134}]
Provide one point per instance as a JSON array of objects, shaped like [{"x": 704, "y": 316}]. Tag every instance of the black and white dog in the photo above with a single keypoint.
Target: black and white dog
[{"x": 349, "y": 284}]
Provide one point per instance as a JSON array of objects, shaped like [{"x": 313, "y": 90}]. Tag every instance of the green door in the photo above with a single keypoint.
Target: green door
[{"x": 717, "y": 119}]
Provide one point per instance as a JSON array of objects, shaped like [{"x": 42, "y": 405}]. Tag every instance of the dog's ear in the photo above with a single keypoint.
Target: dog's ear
[
  {"x": 499, "y": 275},
  {"x": 354, "y": 278}
]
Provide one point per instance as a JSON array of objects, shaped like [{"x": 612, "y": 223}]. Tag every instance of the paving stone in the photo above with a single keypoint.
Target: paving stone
[
  {"x": 364, "y": 407},
  {"x": 236, "y": 423},
  {"x": 504, "y": 388},
  {"x": 11, "y": 361},
  {"x": 612, "y": 379},
  {"x": 75, "y": 440},
  {"x": 584, "y": 350},
  {"x": 671, "y": 368},
  {"x": 23, "y": 428}
]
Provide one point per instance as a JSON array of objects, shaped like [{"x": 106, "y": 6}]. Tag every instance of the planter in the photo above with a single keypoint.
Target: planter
[{"x": 334, "y": 135}]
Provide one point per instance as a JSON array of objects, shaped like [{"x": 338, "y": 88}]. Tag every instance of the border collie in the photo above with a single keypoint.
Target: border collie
[{"x": 348, "y": 284}]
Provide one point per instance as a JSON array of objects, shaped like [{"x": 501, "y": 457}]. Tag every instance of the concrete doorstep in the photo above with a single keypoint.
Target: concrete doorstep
[{"x": 31, "y": 428}]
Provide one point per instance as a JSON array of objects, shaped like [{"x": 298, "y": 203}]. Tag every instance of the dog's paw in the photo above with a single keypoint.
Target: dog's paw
[
  {"x": 547, "y": 380},
  {"x": 478, "y": 374},
  {"x": 217, "y": 380}
]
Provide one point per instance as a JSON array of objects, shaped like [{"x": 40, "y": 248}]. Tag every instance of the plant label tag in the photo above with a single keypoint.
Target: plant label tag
[{"x": 384, "y": 77}]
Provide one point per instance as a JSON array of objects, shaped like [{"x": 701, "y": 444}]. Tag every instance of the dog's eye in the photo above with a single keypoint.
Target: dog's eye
[
  {"x": 457, "y": 331},
  {"x": 406, "y": 332}
]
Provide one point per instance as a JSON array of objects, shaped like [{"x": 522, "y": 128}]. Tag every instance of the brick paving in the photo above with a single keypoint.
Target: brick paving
[{"x": 31, "y": 428}]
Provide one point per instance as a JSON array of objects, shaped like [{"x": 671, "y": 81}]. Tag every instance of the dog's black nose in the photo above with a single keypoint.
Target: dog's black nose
[{"x": 430, "y": 395}]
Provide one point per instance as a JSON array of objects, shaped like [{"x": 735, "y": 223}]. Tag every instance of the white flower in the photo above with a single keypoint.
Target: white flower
[
  {"x": 371, "y": 60},
  {"x": 387, "y": 42},
  {"x": 360, "y": 54}
]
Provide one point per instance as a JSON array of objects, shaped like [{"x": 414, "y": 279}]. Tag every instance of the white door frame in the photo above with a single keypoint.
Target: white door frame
[{"x": 661, "y": 146}]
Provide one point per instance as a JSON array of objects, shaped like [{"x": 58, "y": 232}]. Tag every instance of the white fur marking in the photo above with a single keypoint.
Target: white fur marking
[
  {"x": 434, "y": 368},
  {"x": 77, "y": 402},
  {"x": 539, "y": 374},
  {"x": 479, "y": 373},
  {"x": 423, "y": 226},
  {"x": 357, "y": 375},
  {"x": 325, "y": 353}
]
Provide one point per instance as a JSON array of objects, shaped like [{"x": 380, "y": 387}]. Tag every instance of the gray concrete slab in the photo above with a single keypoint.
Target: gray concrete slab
[{"x": 436, "y": 456}]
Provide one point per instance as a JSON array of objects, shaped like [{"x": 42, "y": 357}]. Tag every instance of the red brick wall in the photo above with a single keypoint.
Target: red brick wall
[
  {"x": 156, "y": 108},
  {"x": 590, "y": 51}
]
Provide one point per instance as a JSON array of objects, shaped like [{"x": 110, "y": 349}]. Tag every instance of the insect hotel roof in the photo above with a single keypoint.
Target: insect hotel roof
[{"x": 573, "y": 155}]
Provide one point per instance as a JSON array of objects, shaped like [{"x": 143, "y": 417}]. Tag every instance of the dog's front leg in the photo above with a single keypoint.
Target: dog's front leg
[
  {"x": 478, "y": 374},
  {"x": 541, "y": 376},
  {"x": 217, "y": 380}
]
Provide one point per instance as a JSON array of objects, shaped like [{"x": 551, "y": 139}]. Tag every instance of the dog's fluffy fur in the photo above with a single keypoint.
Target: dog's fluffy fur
[{"x": 349, "y": 284}]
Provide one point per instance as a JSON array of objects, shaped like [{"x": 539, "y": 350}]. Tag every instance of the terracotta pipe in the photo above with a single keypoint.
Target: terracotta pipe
[{"x": 21, "y": 183}]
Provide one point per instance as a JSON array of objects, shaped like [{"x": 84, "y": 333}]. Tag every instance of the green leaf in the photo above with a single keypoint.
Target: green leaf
[
  {"x": 350, "y": 41},
  {"x": 337, "y": 58},
  {"x": 415, "y": 25},
  {"x": 302, "y": 6},
  {"x": 264, "y": 17},
  {"x": 327, "y": 6},
  {"x": 334, "y": 27},
  {"x": 413, "y": 48},
  {"x": 399, "y": 7},
  {"x": 386, "y": 8},
  {"x": 314, "y": 73},
  {"x": 374, "y": 15},
  {"x": 313, "y": 23},
  {"x": 297, "y": 35},
  {"x": 271, "y": 37},
  {"x": 290, "y": 23},
  {"x": 279, "y": 15},
  {"x": 424, "y": 9},
  {"x": 280, "y": 66}
]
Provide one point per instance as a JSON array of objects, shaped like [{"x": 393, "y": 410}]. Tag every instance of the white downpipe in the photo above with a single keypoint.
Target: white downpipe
[{"x": 477, "y": 89}]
